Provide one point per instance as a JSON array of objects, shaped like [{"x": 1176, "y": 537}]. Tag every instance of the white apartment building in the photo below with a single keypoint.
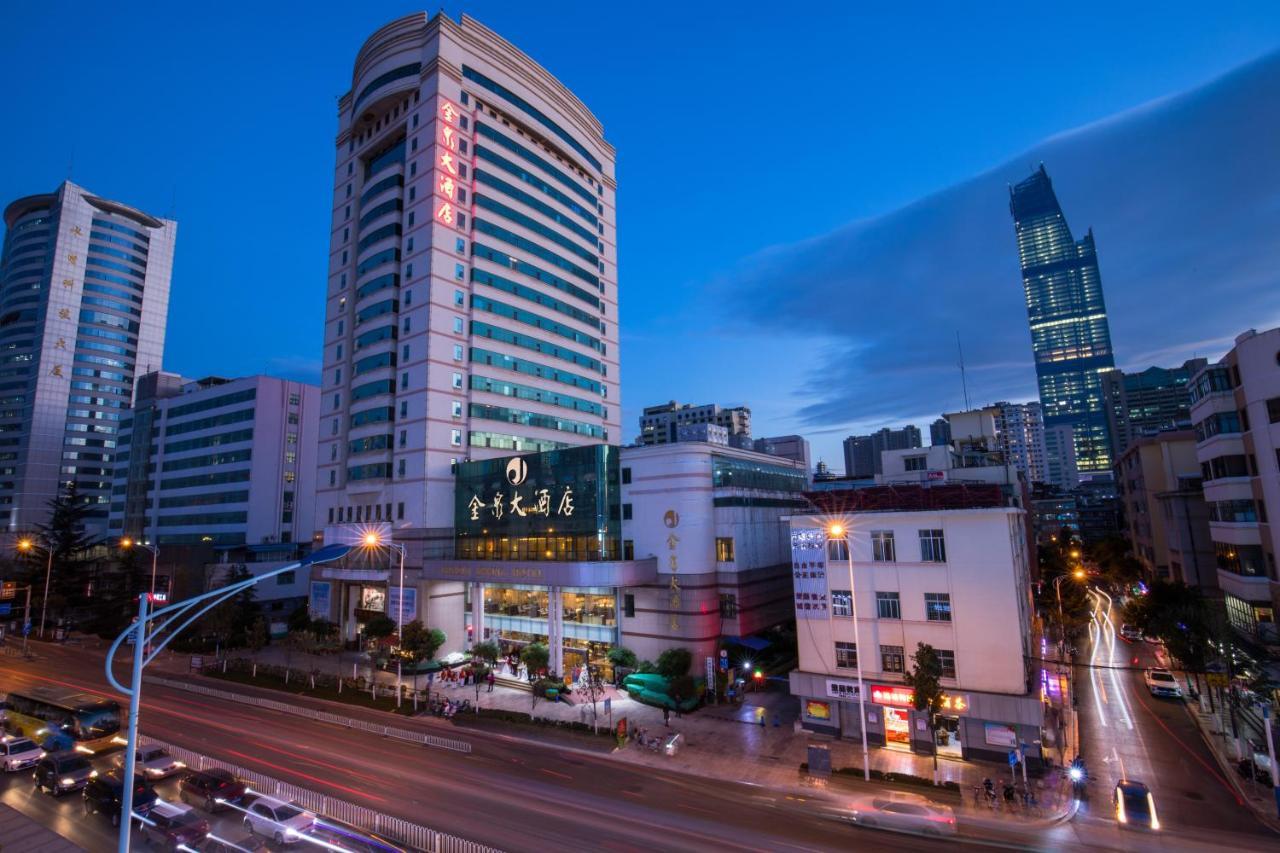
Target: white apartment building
[
  {"x": 472, "y": 301},
  {"x": 217, "y": 461},
  {"x": 84, "y": 297},
  {"x": 1235, "y": 410},
  {"x": 714, "y": 517},
  {"x": 947, "y": 566},
  {"x": 1020, "y": 435}
]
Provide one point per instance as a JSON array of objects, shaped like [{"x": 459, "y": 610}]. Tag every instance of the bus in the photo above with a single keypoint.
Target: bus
[{"x": 68, "y": 717}]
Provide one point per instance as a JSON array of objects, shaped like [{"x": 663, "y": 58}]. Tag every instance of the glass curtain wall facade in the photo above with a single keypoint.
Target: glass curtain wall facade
[
  {"x": 84, "y": 294},
  {"x": 1070, "y": 336}
]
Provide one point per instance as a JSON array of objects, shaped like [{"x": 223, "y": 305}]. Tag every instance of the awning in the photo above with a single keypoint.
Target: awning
[{"x": 754, "y": 643}]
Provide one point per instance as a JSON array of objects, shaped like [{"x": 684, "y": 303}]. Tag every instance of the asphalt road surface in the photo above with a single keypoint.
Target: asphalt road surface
[
  {"x": 1125, "y": 731},
  {"x": 507, "y": 793}
]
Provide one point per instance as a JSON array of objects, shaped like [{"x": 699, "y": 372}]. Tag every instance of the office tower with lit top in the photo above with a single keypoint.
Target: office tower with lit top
[
  {"x": 1069, "y": 332},
  {"x": 472, "y": 299},
  {"x": 84, "y": 295}
]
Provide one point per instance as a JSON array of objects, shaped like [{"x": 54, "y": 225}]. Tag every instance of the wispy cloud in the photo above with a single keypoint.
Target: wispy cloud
[{"x": 1181, "y": 194}]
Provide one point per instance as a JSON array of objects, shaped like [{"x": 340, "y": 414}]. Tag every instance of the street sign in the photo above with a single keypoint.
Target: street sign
[
  {"x": 6, "y": 608},
  {"x": 8, "y": 589},
  {"x": 26, "y": 628},
  {"x": 1013, "y": 758},
  {"x": 608, "y": 705}
]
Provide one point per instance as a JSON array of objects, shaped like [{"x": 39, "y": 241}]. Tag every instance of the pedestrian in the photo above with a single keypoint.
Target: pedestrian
[
  {"x": 490, "y": 679},
  {"x": 666, "y": 715}
]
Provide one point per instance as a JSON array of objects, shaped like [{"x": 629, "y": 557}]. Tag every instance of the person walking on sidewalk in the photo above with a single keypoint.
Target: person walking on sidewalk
[
  {"x": 666, "y": 715},
  {"x": 490, "y": 679}
]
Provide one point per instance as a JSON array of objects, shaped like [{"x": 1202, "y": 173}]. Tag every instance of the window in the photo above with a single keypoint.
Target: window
[
  {"x": 457, "y": 352},
  {"x": 455, "y": 437},
  {"x": 457, "y": 325},
  {"x": 914, "y": 463},
  {"x": 333, "y": 478},
  {"x": 846, "y": 655},
  {"x": 459, "y": 272},
  {"x": 400, "y": 511},
  {"x": 888, "y": 606},
  {"x": 724, "y": 549},
  {"x": 628, "y": 549},
  {"x": 459, "y": 299},
  {"x": 289, "y": 477},
  {"x": 460, "y": 245},
  {"x": 400, "y": 468},
  {"x": 294, "y": 399},
  {"x": 933, "y": 548},
  {"x": 457, "y": 381},
  {"x": 337, "y": 401},
  {"x": 404, "y": 381},
  {"x": 285, "y": 578},
  {"x": 891, "y": 659},
  {"x": 404, "y": 353},
  {"x": 1273, "y": 410},
  {"x": 404, "y": 408},
  {"x": 882, "y": 548},
  {"x": 626, "y": 512},
  {"x": 841, "y": 602},
  {"x": 728, "y": 605},
  {"x": 937, "y": 606},
  {"x": 626, "y": 476},
  {"x": 408, "y": 297},
  {"x": 628, "y": 605},
  {"x": 838, "y": 550},
  {"x": 457, "y": 408},
  {"x": 947, "y": 658}
]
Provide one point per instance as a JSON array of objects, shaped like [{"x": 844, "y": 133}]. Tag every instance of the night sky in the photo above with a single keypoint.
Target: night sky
[{"x": 812, "y": 199}]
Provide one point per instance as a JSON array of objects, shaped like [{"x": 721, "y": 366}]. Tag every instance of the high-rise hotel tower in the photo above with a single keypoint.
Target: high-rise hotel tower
[
  {"x": 1069, "y": 332},
  {"x": 84, "y": 295},
  {"x": 472, "y": 301}
]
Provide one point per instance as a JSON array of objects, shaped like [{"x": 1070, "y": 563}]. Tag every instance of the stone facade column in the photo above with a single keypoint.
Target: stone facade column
[{"x": 477, "y": 612}]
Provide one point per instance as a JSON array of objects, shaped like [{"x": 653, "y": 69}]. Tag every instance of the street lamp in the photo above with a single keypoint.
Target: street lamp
[
  {"x": 27, "y": 546},
  {"x": 144, "y": 653},
  {"x": 127, "y": 543},
  {"x": 839, "y": 531},
  {"x": 373, "y": 540}
]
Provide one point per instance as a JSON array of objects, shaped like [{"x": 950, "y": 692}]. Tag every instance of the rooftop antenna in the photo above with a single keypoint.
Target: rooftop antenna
[{"x": 964, "y": 384}]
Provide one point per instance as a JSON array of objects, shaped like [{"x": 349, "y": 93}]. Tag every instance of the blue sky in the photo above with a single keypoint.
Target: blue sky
[{"x": 804, "y": 197}]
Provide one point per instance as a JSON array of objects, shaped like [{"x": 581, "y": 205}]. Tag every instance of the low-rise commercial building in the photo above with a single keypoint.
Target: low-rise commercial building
[
  {"x": 945, "y": 565},
  {"x": 1235, "y": 409},
  {"x": 659, "y": 424}
]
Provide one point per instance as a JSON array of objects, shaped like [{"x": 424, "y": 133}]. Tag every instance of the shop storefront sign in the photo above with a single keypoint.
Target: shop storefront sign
[
  {"x": 318, "y": 604},
  {"x": 406, "y": 612},
  {"x": 373, "y": 598},
  {"x": 838, "y": 689},
  {"x": 817, "y": 710},
  {"x": 998, "y": 734},
  {"x": 888, "y": 694}
]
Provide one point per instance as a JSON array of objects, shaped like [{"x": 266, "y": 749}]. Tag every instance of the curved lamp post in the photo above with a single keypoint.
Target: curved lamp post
[
  {"x": 839, "y": 532},
  {"x": 143, "y": 654}
]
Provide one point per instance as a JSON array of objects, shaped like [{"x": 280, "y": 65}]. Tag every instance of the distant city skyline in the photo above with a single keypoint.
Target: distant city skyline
[{"x": 722, "y": 317}]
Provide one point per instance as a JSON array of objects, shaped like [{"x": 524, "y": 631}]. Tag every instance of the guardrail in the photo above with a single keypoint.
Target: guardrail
[
  {"x": 395, "y": 829},
  {"x": 312, "y": 714}
]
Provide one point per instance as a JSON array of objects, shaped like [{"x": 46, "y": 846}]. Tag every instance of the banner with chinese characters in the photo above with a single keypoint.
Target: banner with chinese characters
[
  {"x": 450, "y": 170},
  {"x": 809, "y": 573}
]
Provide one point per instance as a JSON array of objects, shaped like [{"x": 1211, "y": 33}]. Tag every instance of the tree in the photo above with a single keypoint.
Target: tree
[
  {"x": 1179, "y": 616},
  {"x": 674, "y": 663},
  {"x": 420, "y": 643},
  {"x": 1113, "y": 557},
  {"x": 64, "y": 536},
  {"x": 622, "y": 658},
  {"x": 379, "y": 627},
  {"x": 924, "y": 679},
  {"x": 536, "y": 656},
  {"x": 299, "y": 620},
  {"x": 486, "y": 651}
]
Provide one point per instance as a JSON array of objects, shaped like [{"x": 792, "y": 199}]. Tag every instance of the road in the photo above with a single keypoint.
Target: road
[
  {"x": 507, "y": 793},
  {"x": 1125, "y": 731}
]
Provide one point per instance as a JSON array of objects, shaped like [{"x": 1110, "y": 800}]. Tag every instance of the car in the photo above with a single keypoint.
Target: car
[
  {"x": 1135, "y": 807},
  {"x": 1130, "y": 632},
  {"x": 903, "y": 812},
  {"x": 104, "y": 794},
  {"x": 330, "y": 835},
  {"x": 62, "y": 772},
  {"x": 1258, "y": 771},
  {"x": 282, "y": 822},
  {"x": 173, "y": 825},
  {"x": 153, "y": 762},
  {"x": 215, "y": 789},
  {"x": 19, "y": 753},
  {"x": 243, "y": 844},
  {"x": 1161, "y": 683}
]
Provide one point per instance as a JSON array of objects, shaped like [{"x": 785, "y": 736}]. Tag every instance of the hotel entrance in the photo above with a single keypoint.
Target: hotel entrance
[{"x": 897, "y": 728}]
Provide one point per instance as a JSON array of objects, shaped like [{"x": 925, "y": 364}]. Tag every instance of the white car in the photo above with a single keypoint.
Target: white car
[
  {"x": 152, "y": 763},
  {"x": 904, "y": 813},
  {"x": 282, "y": 822},
  {"x": 1130, "y": 632},
  {"x": 19, "y": 753},
  {"x": 1161, "y": 683}
]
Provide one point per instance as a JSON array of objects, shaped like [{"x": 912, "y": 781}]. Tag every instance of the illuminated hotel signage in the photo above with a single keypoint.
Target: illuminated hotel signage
[
  {"x": 570, "y": 492},
  {"x": 447, "y": 171},
  {"x": 885, "y": 694}
]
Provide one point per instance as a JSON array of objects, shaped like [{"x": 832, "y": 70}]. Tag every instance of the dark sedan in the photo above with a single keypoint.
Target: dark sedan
[{"x": 211, "y": 789}]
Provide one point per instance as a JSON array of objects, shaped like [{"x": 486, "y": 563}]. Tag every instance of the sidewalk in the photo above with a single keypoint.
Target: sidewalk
[
  {"x": 724, "y": 742},
  {"x": 1216, "y": 734}
]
